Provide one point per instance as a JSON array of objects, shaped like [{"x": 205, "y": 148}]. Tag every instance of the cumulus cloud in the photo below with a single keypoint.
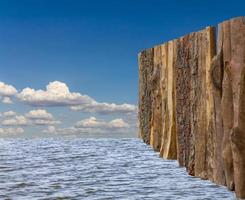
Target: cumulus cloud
[
  {"x": 42, "y": 122},
  {"x": 105, "y": 108},
  {"x": 50, "y": 129},
  {"x": 41, "y": 117},
  {"x": 34, "y": 117},
  {"x": 7, "y": 100},
  {"x": 39, "y": 114},
  {"x": 9, "y": 113},
  {"x": 92, "y": 126},
  {"x": 61, "y": 131},
  {"x": 12, "y": 131},
  {"x": 92, "y": 122},
  {"x": 118, "y": 123},
  {"x": 17, "y": 120},
  {"x": 58, "y": 94},
  {"x": 7, "y": 92}
]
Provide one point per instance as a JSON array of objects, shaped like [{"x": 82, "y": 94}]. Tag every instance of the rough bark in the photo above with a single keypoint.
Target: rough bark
[
  {"x": 145, "y": 94},
  {"x": 156, "y": 118},
  {"x": 194, "y": 102}
]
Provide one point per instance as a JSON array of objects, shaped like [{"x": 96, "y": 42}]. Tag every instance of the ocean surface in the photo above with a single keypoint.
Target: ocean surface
[{"x": 78, "y": 168}]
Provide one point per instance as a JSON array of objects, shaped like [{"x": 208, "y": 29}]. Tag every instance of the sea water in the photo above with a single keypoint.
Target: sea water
[{"x": 78, "y": 168}]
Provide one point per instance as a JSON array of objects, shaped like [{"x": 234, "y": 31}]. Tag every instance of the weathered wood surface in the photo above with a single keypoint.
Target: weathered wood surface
[
  {"x": 168, "y": 147},
  {"x": 192, "y": 102},
  {"x": 232, "y": 103},
  {"x": 145, "y": 99}
]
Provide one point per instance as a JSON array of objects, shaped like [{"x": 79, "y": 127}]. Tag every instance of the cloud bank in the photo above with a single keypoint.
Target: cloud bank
[
  {"x": 91, "y": 126},
  {"x": 58, "y": 94},
  {"x": 33, "y": 117},
  {"x": 11, "y": 131},
  {"x": 92, "y": 122},
  {"x": 17, "y": 120}
]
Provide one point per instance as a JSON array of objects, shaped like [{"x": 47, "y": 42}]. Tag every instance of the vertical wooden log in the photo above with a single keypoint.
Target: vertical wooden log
[
  {"x": 194, "y": 83},
  {"x": 164, "y": 91},
  {"x": 156, "y": 119},
  {"x": 238, "y": 143},
  {"x": 145, "y": 94},
  {"x": 194, "y": 103},
  {"x": 237, "y": 76},
  {"x": 210, "y": 112},
  {"x": 227, "y": 106},
  {"x": 198, "y": 104},
  {"x": 182, "y": 99},
  {"x": 204, "y": 147},
  {"x": 168, "y": 148},
  {"x": 216, "y": 76},
  {"x": 232, "y": 38},
  {"x": 192, "y": 62}
]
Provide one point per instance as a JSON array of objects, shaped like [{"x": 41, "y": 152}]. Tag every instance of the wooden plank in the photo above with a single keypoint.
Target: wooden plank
[
  {"x": 156, "y": 118},
  {"x": 237, "y": 76},
  {"x": 168, "y": 147},
  {"x": 145, "y": 99}
]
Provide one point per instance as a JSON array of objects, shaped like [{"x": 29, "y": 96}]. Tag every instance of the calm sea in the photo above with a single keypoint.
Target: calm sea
[{"x": 90, "y": 169}]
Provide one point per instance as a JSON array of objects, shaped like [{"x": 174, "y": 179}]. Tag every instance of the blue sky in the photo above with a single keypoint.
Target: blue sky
[{"x": 91, "y": 46}]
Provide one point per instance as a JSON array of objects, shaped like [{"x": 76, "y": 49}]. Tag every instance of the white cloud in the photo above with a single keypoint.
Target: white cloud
[
  {"x": 43, "y": 122},
  {"x": 9, "y": 113},
  {"x": 58, "y": 94},
  {"x": 118, "y": 123},
  {"x": 105, "y": 108},
  {"x": 50, "y": 129},
  {"x": 7, "y": 100},
  {"x": 17, "y": 120},
  {"x": 33, "y": 117},
  {"x": 92, "y": 126},
  {"x": 12, "y": 131},
  {"x": 39, "y": 114},
  {"x": 41, "y": 117},
  {"x": 92, "y": 122},
  {"x": 7, "y": 90}
]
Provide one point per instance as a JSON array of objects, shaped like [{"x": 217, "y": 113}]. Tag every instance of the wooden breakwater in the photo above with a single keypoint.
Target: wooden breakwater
[{"x": 192, "y": 102}]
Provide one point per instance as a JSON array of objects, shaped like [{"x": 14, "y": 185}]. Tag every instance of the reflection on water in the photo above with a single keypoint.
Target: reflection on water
[{"x": 95, "y": 169}]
